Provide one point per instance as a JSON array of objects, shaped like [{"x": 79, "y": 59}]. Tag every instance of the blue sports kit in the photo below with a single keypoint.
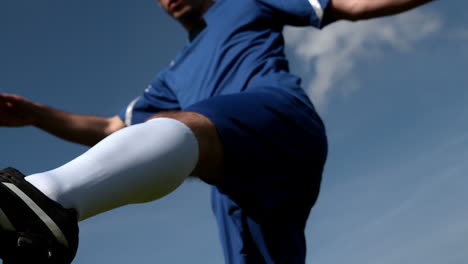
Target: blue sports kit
[{"x": 233, "y": 70}]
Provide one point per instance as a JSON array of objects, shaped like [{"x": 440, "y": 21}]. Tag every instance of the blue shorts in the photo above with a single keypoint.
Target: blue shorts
[{"x": 275, "y": 149}]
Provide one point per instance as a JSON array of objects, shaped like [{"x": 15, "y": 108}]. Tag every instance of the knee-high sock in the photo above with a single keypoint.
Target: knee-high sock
[{"x": 137, "y": 164}]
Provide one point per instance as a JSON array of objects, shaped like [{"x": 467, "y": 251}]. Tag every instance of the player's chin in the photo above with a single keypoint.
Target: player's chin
[{"x": 181, "y": 13}]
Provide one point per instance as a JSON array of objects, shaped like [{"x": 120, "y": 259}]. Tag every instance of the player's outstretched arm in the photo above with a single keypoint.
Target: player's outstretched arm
[
  {"x": 16, "y": 111},
  {"x": 364, "y": 9}
]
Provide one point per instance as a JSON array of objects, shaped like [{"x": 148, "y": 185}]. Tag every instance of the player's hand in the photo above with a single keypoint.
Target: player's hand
[{"x": 15, "y": 111}]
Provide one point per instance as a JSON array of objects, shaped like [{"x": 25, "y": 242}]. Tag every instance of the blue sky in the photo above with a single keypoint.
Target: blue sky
[{"x": 393, "y": 94}]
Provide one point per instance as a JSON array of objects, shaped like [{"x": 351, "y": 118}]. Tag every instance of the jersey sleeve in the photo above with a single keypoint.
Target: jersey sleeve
[
  {"x": 156, "y": 98},
  {"x": 299, "y": 12}
]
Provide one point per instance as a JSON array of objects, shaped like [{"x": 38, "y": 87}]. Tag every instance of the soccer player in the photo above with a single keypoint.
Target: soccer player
[{"x": 227, "y": 110}]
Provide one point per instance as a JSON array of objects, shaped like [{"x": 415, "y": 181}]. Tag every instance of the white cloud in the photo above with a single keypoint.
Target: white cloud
[{"x": 332, "y": 53}]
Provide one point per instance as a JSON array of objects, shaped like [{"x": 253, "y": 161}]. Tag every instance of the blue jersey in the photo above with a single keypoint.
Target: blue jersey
[
  {"x": 234, "y": 72},
  {"x": 241, "y": 48}
]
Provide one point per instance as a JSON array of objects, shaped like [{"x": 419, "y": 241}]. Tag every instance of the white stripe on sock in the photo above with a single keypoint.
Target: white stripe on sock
[
  {"x": 53, "y": 227},
  {"x": 317, "y": 8},
  {"x": 5, "y": 223}
]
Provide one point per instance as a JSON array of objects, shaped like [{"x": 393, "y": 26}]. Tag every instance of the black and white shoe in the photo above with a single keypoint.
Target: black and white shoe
[{"x": 33, "y": 228}]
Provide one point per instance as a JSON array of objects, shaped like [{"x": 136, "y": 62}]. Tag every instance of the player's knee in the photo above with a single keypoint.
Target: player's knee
[{"x": 210, "y": 163}]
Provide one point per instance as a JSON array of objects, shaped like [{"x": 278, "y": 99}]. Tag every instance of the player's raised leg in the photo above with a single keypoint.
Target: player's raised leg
[{"x": 137, "y": 164}]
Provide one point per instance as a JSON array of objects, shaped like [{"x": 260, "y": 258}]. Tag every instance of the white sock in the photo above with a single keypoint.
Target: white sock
[{"x": 136, "y": 164}]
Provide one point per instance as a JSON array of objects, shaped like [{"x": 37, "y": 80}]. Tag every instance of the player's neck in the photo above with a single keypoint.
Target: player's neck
[
  {"x": 197, "y": 29},
  {"x": 193, "y": 21}
]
